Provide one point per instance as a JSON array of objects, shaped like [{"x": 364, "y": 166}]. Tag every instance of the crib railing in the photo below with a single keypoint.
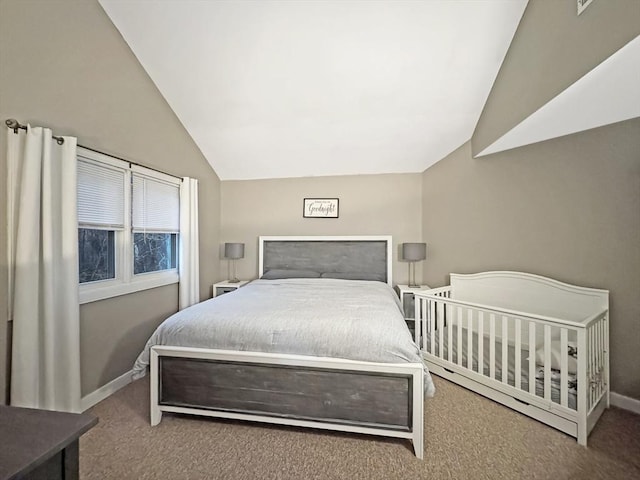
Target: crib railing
[
  {"x": 596, "y": 340},
  {"x": 451, "y": 333}
]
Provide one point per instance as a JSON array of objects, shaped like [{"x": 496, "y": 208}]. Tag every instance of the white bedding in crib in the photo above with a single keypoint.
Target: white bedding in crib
[{"x": 511, "y": 376}]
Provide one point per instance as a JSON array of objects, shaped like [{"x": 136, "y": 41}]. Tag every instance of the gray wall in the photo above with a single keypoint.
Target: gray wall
[
  {"x": 65, "y": 66},
  {"x": 552, "y": 48},
  {"x": 369, "y": 205},
  {"x": 568, "y": 208}
]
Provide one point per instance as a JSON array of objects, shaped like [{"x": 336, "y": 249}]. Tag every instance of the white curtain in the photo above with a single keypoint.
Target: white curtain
[
  {"x": 45, "y": 367},
  {"x": 189, "y": 247}
]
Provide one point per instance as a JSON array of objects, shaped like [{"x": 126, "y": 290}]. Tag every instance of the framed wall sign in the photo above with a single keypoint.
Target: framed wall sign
[{"x": 320, "y": 208}]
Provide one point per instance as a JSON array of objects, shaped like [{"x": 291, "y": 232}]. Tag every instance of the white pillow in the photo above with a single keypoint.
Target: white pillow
[{"x": 556, "y": 356}]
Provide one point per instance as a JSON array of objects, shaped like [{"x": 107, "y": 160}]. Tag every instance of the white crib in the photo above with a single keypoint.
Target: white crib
[{"x": 531, "y": 343}]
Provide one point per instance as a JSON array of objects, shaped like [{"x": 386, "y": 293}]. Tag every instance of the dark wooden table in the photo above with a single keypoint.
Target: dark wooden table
[{"x": 40, "y": 444}]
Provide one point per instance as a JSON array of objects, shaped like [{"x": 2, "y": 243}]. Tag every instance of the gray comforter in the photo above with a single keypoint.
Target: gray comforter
[{"x": 351, "y": 319}]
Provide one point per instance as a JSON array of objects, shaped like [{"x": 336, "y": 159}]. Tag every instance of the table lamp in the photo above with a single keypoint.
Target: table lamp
[
  {"x": 233, "y": 251},
  {"x": 413, "y": 252}
]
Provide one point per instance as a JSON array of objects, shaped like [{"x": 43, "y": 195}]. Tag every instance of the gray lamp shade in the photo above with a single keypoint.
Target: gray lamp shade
[
  {"x": 234, "y": 250},
  {"x": 414, "y": 252}
]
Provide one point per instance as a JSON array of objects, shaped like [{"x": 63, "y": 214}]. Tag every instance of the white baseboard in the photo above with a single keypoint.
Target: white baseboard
[
  {"x": 627, "y": 403},
  {"x": 105, "y": 391}
]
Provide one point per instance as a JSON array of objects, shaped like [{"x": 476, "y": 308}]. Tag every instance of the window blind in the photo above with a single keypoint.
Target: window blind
[
  {"x": 155, "y": 205},
  {"x": 100, "y": 195}
]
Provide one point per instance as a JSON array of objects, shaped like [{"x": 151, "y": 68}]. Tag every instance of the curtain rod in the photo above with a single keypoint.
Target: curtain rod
[
  {"x": 13, "y": 124},
  {"x": 130, "y": 162}
]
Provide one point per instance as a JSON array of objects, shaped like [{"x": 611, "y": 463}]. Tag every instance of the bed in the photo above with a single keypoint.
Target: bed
[
  {"x": 532, "y": 343},
  {"x": 319, "y": 340}
]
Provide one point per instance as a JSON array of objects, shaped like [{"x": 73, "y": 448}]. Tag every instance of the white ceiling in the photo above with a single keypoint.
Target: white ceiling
[{"x": 275, "y": 89}]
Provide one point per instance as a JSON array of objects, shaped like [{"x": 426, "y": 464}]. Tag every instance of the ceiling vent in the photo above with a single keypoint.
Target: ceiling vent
[{"x": 582, "y": 5}]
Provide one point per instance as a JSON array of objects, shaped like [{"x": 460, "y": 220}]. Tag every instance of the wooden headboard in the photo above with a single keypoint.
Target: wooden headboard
[{"x": 369, "y": 255}]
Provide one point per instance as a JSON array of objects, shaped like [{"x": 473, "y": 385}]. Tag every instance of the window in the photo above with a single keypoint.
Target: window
[
  {"x": 155, "y": 224},
  {"x": 128, "y": 227},
  {"x": 153, "y": 252},
  {"x": 101, "y": 213},
  {"x": 96, "y": 253}
]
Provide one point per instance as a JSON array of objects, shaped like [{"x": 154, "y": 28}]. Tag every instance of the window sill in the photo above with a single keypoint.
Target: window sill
[{"x": 104, "y": 290}]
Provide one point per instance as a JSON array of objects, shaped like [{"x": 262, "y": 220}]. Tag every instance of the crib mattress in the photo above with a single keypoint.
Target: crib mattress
[{"x": 511, "y": 373}]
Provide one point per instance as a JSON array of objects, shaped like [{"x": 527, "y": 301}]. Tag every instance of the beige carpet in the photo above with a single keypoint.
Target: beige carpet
[{"x": 467, "y": 437}]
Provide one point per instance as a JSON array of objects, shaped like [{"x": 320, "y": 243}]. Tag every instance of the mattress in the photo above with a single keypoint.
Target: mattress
[
  {"x": 322, "y": 317},
  {"x": 511, "y": 373}
]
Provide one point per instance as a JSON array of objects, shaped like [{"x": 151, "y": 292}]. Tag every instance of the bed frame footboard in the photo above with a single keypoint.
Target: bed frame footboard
[{"x": 334, "y": 394}]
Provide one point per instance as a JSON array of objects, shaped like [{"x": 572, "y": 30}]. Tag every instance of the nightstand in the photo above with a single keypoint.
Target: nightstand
[
  {"x": 407, "y": 300},
  {"x": 226, "y": 286}
]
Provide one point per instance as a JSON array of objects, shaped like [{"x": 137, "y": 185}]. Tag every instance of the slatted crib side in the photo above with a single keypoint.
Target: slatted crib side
[
  {"x": 426, "y": 315},
  {"x": 499, "y": 340},
  {"x": 476, "y": 323},
  {"x": 598, "y": 359},
  {"x": 567, "y": 392},
  {"x": 593, "y": 373}
]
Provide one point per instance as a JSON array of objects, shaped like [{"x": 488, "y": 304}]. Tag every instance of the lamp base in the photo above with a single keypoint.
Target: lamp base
[
  {"x": 234, "y": 273},
  {"x": 412, "y": 276}
]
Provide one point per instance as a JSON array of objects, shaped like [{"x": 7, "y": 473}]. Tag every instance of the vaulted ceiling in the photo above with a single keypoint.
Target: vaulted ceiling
[
  {"x": 274, "y": 89},
  {"x": 607, "y": 94}
]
